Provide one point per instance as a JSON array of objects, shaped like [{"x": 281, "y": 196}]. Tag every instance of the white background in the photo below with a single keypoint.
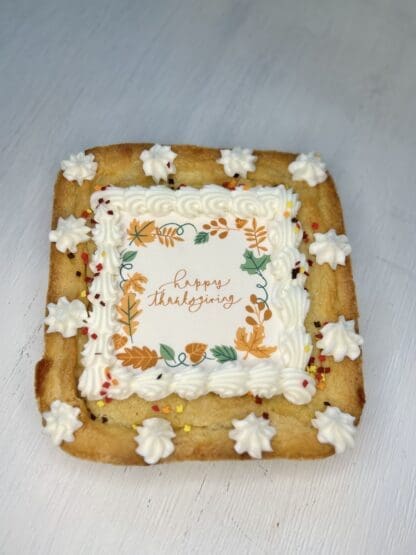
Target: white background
[{"x": 335, "y": 76}]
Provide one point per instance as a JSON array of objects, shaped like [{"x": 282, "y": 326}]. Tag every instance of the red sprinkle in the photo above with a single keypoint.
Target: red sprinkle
[
  {"x": 99, "y": 267},
  {"x": 106, "y": 385},
  {"x": 155, "y": 408},
  {"x": 322, "y": 357},
  {"x": 311, "y": 360},
  {"x": 265, "y": 415},
  {"x": 107, "y": 399},
  {"x": 319, "y": 336},
  {"x": 84, "y": 214},
  {"x": 85, "y": 257},
  {"x": 84, "y": 331},
  {"x": 305, "y": 383},
  {"x": 94, "y": 336},
  {"x": 305, "y": 237},
  {"x": 258, "y": 400},
  {"x": 315, "y": 225},
  {"x": 320, "y": 370},
  {"x": 89, "y": 279}
]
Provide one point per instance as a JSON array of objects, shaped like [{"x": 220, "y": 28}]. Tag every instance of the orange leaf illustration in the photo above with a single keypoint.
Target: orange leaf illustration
[
  {"x": 251, "y": 343},
  {"x": 240, "y": 223},
  {"x": 135, "y": 282},
  {"x": 137, "y": 357},
  {"x": 128, "y": 311},
  {"x": 167, "y": 236},
  {"x": 119, "y": 341},
  {"x": 256, "y": 235},
  {"x": 196, "y": 351},
  {"x": 141, "y": 233}
]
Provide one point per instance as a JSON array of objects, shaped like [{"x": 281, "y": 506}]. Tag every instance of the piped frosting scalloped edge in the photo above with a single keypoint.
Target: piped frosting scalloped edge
[{"x": 286, "y": 375}]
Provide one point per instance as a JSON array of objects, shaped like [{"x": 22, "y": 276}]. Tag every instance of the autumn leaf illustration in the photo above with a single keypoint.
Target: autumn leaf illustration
[
  {"x": 141, "y": 233},
  {"x": 256, "y": 235},
  {"x": 196, "y": 351},
  {"x": 252, "y": 343},
  {"x": 128, "y": 311},
  {"x": 119, "y": 341},
  {"x": 138, "y": 357},
  {"x": 167, "y": 236},
  {"x": 240, "y": 223},
  {"x": 135, "y": 282}
]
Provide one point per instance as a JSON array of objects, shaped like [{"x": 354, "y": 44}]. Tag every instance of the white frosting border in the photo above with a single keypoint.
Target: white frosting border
[{"x": 284, "y": 374}]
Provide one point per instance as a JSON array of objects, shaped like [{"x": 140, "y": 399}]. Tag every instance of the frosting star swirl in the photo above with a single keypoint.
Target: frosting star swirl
[
  {"x": 340, "y": 340},
  {"x": 158, "y": 162},
  {"x": 61, "y": 422},
  {"x": 330, "y": 248},
  {"x": 252, "y": 435},
  {"x": 335, "y": 427},
  {"x": 154, "y": 440},
  {"x": 309, "y": 168},
  {"x": 237, "y": 161},
  {"x": 65, "y": 317},
  {"x": 68, "y": 233},
  {"x": 79, "y": 167}
]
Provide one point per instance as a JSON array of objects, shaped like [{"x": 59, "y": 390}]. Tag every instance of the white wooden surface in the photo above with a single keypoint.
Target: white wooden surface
[{"x": 334, "y": 76}]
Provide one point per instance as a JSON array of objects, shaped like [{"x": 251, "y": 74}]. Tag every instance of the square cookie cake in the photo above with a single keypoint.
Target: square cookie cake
[{"x": 200, "y": 306}]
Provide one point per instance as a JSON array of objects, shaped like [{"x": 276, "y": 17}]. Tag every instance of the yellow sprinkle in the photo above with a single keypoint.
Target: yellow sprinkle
[
  {"x": 83, "y": 294},
  {"x": 89, "y": 210},
  {"x": 312, "y": 369},
  {"x": 134, "y": 427},
  {"x": 296, "y": 229},
  {"x": 187, "y": 428},
  {"x": 100, "y": 404},
  {"x": 103, "y": 253},
  {"x": 302, "y": 270},
  {"x": 179, "y": 409},
  {"x": 166, "y": 409},
  {"x": 289, "y": 204},
  {"x": 307, "y": 348}
]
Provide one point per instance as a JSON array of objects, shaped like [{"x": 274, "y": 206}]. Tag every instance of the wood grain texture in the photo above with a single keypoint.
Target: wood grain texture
[{"x": 338, "y": 77}]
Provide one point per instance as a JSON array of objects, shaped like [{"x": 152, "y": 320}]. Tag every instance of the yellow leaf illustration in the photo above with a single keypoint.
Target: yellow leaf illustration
[
  {"x": 167, "y": 236},
  {"x": 252, "y": 342},
  {"x": 141, "y": 233},
  {"x": 135, "y": 282}
]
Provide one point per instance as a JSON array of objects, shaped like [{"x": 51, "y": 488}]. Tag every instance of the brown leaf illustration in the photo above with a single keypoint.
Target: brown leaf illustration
[
  {"x": 239, "y": 222},
  {"x": 167, "y": 236},
  {"x": 119, "y": 341},
  {"x": 137, "y": 357},
  {"x": 196, "y": 351},
  {"x": 251, "y": 343},
  {"x": 141, "y": 233},
  {"x": 128, "y": 311},
  {"x": 135, "y": 282}
]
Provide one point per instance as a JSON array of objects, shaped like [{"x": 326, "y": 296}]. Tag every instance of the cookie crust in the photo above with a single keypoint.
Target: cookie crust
[{"x": 108, "y": 431}]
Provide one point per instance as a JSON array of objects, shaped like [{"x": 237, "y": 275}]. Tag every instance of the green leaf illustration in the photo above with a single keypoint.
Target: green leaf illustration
[
  {"x": 254, "y": 264},
  {"x": 128, "y": 256},
  {"x": 166, "y": 352},
  {"x": 223, "y": 353},
  {"x": 201, "y": 237}
]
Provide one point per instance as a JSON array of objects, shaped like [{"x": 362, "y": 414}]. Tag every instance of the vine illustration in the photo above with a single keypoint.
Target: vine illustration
[{"x": 248, "y": 340}]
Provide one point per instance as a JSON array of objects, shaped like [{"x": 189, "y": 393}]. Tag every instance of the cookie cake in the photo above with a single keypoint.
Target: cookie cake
[{"x": 201, "y": 305}]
